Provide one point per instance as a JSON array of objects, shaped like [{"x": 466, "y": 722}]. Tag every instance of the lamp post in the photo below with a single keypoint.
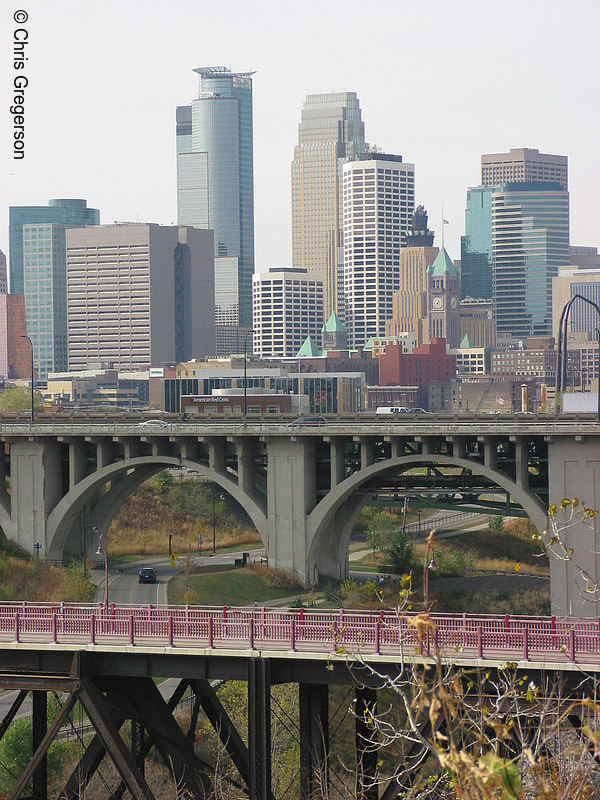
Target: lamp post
[
  {"x": 24, "y": 336},
  {"x": 104, "y": 552},
  {"x": 214, "y": 499},
  {"x": 561, "y": 356},
  {"x": 428, "y": 565}
]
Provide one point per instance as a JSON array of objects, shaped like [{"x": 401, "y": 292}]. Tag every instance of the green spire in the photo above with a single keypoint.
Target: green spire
[
  {"x": 466, "y": 343},
  {"x": 443, "y": 265},
  {"x": 308, "y": 349},
  {"x": 334, "y": 325}
]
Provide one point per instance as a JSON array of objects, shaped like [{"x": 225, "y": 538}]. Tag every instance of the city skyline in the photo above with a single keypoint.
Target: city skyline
[{"x": 88, "y": 130}]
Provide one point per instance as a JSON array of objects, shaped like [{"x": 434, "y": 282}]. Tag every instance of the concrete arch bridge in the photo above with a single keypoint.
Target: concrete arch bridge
[{"x": 304, "y": 486}]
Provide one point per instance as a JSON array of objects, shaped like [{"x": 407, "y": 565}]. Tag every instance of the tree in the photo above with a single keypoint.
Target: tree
[
  {"x": 19, "y": 399},
  {"x": 381, "y": 531}
]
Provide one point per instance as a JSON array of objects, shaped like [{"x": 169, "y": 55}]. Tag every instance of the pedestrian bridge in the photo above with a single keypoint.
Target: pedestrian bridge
[{"x": 304, "y": 486}]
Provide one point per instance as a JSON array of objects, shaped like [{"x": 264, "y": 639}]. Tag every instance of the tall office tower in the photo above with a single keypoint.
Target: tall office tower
[
  {"x": 523, "y": 165},
  {"x": 418, "y": 233},
  {"x": 330, "y": 132},
  {"x": 73, "y": 213},
  {"x": 38, "y": 270},
  {"x": 378, "y": 204},
  {"x": 3, "y": 276},
  {"x": 530, "y": 240},
  {"x": 409, "y": 303},
  {"x": 476, "y": 244},
  {"x": 443, "y": 300},
  {"x": 15, "y": 355},
  {"x": 139, "y": 295},
  {"x": 215, "y": 189},
  {"x": 287, "y": 307}
]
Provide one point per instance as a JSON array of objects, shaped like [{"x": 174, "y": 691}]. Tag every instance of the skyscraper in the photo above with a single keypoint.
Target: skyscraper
[
  {"x": 288, "y": 307},
  {"x": 3, "y": 275},
  {"x": 378, "y": 205},
  {"x": 409, "y": 304},
  {"x": 476, "y": 244},
  {"x": 38, "y": 270},
  {"x": 215, "y": 189},
  {"x": 530, "y": 240},
  {"x": 330, "y": 132},
  {"x": 73, "y": 213},
  {"x": 523, "y": 165},
  {"x": 139, "y": 295}
]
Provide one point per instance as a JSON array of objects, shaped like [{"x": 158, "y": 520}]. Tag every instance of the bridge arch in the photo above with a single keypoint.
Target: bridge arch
[
  {"x": 327, "y": 537},
  {"x": 133, "y": 472}
]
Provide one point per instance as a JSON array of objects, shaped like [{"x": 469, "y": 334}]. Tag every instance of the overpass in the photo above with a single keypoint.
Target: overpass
[
  {"x": 106, "y": 660},
  {"x": 304, "y": 486}
]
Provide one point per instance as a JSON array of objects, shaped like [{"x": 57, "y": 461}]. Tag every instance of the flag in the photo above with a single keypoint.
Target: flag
[
  {"x": 445, "y": 221},
  {"x": 500, "y": 400}
]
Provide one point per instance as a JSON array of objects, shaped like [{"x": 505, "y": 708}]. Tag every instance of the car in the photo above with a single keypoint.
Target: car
[
  {"x": 418, "y": 411},
  {"x": 154, "y": 423},
  {"x": 147, "y": 575},
  {"x": 308, "y": 419}
]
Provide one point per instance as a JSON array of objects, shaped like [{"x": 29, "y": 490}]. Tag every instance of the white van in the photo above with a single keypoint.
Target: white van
[{"x": 387, "y": 410}]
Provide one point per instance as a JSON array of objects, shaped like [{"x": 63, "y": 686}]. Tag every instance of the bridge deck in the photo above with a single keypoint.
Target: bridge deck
[{"x": 564, "y": 643}]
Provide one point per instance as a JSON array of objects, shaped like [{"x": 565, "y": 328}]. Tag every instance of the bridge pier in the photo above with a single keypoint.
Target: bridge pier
[
  {"x": 574, "y": 472},
  {"x": 36, "y": 487},
  {"x": 367, "y": 751},
  {"x": 314, "y": 739},
  {"x": 259, "y": 729},
  {"x": 291, "y": 489}
]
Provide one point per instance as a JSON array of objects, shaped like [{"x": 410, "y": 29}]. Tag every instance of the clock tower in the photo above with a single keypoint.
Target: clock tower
[{"x": 443, "y": 300}]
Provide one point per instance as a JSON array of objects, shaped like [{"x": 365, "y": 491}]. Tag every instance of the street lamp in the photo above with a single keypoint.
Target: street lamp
[
  {"x": 428, "y": 565},
  {"x": 104, "y": 552},
  {"x": 214, "y": 499},
  {"x": 561, "y": 356},
  {"x": 24, "y": 336}
]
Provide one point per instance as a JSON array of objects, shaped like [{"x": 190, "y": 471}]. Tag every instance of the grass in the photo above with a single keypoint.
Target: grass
[
  {"x": 36, "y": 581},
  {"x": 233, "y": 586},
  {"x": 185, "y": 510},
  {"x": 525, "y": 601}
]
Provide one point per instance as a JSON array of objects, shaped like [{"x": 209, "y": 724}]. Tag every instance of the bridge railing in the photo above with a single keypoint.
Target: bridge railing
[{"x": 385, "y": 633}]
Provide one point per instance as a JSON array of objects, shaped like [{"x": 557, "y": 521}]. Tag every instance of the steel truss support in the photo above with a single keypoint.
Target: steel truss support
[
  {"x": 148, "y": 741},
  {"x": 39, "y": 756},
  {"x": 367, "y": 749},
  {"x": 314, "y": 739},
  {"x": 12, "y": 712},
  {"x": 259, "y": 729},
  {"x": 221, "y": 722},
  {"x": 96, "y": 708},
  {"x": 40, "y": 729},
  {"x": 140, "y": 701}
]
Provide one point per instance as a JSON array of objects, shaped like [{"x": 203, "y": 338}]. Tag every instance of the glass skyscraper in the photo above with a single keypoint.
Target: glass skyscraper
[
  {"x": 38, "y": 270},
  {"x": 330, "y": 133},
  {"x": 73, "y": 213},
  {"x": 530, "y": 240},
  {"x": 215, "y": 187},
  {"x": 476, "y": 244}
]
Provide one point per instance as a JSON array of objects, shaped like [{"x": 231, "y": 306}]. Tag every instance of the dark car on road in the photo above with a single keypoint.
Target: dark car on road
[
  {"x": 308, "y": 420},
  {"x": 147, "y": 575}
]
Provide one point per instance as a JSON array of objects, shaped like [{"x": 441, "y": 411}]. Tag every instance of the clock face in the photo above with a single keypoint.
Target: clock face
[
  {"x": 454, "y": 302},
  {"x": 437, "y": 303}
]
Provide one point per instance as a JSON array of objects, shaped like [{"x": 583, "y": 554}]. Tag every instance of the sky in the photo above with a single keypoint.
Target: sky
[{"x": 438, "y": 82}]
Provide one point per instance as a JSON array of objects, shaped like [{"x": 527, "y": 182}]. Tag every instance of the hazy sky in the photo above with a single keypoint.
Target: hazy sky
[{"x": 438, "y": 82}]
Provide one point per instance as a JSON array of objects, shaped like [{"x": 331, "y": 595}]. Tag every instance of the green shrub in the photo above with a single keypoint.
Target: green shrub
[
  {"x": 400, "y": 553},
  {"x": 495, "y": 523}
]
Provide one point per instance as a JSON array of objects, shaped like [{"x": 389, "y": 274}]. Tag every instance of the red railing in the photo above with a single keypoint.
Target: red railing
[{"x": 455, "y": 637}]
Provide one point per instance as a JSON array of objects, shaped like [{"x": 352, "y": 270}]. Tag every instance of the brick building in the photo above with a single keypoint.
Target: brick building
[{"x": 427, "y": 363}]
